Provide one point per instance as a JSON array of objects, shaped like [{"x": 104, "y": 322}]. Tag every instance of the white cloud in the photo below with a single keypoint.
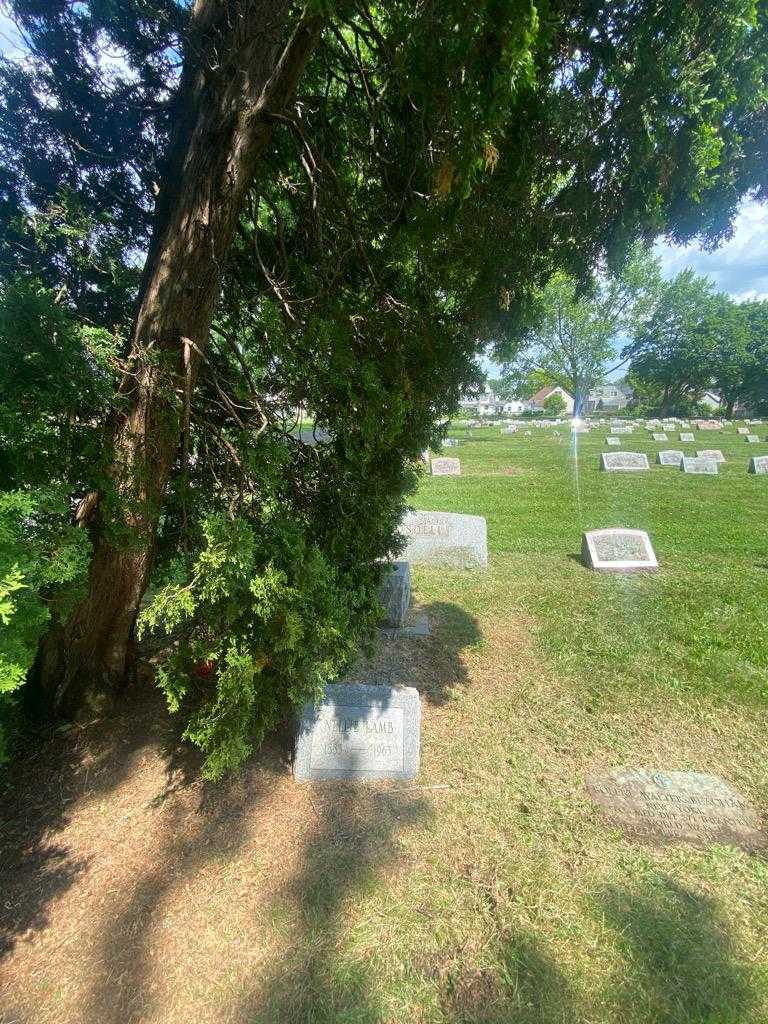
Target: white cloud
[{"x": 739, "y": 266}]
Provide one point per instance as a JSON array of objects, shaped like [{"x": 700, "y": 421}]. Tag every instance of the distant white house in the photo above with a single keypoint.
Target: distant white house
[
  {"x": 536, "y": 403},
  {"x": 608, "y": 396},
  {"x": 711, "y": 399},
  {"x": 488, "y": 404}
]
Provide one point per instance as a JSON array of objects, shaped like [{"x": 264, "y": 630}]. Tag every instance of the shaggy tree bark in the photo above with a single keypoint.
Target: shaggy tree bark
[{"x": 242, "y": 63}]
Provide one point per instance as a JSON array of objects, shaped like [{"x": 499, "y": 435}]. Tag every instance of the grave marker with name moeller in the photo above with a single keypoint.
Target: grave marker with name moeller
[
  {"x": 666, "y": 807},
  {"x": 445, "y": 467},
  {"x": 617, "y": 550},
  {"x": 445, "y": 538},
  {"x": 623, "y": 462},
  {"x": 359, "y": 732}
]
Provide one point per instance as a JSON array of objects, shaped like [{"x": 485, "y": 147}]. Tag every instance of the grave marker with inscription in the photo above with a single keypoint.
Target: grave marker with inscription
[
  {"x": 613, "y": 442},
  {"x": 742, "y": 430},
  {"x": 623, "y": 462},
  {"x": 690, "y": 465},
  {"x": 759, "y": 465},
  {"x": 359, "y": 732},
  {"x": 617, "y": 550},
  {"x": 445, "y": 467},
  {"x": 687, "y": 438},
  {"x": 445, "y": 538},
  {"x": 676, "y": 807},
  {"x": 751, "y": 438},
  {"x": 711, "y": 453},
  {"x": 622, "y": 430},
  {"x": 660, "y": 437},
  {"x": 669, "y": 457}
]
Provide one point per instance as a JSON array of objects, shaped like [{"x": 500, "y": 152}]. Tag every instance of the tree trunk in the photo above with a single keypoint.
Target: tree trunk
[{"x": 242, "y": 63}]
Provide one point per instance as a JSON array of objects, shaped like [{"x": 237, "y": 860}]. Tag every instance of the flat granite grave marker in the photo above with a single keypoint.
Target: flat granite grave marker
[
  {"x": 445, "y": 467},
  {"x": 688, "y": 438},
  {"x": 623, "y": 462},
  {"x": 690, "y": 465},
  {"x": 660, "y": 437},
  {"x": 669, "y": 457},
  {"x": 711, "y": 453},
  {"x": 622, "y": 430},
  {"x": 395, "y": 594},
  {"x": 759, "y": 465},
  {"x": 742, "y": 430},
  {"x": 617, "y": 550},
  {"x": 359, "y": 732},
  {"x": 667, "y": 807},
  {"x": 751, "y": 438},
  {"x": 613, "y": 442},
  {"x": 445, "y": 538}
]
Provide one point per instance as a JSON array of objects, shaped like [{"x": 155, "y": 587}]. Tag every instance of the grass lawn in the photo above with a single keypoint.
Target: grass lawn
[{"x": 488, "y": 890}]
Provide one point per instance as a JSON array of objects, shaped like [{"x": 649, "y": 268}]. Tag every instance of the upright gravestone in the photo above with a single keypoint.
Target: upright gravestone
[
  {"x": 669, "y": 457},
  {"x": 613, "y": 442},
  {"x": 395, "y": 594},
  {"x": 711, "y": 453},
  {"x": 621, "y": 430},
  {"x": 660, "y": 437},
  {"x": 623, "y": 462},
  {"x": 759, "y": 465},
  {"x": 445, "y": 538},
  {"x": 445, "y": 467},
  {"x": 617, "y": 550},
  {"x": 709, "y": 425},
  {"x": 751, "y": 438},
  {"x": 666, "y": 807},
  {"x": 700, "y": 465},
  {"x": 359, "y": 732},
  {"x": 687, "y": 438},
  {"x": 742, "y": 430},
  {"x": 450, "y": 442}
]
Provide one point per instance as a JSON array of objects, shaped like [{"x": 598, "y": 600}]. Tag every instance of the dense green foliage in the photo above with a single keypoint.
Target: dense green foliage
[{"x": 440, "y": 164}]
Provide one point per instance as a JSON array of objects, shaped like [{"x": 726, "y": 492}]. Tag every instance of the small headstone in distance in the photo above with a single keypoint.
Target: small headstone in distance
[
  {"x": 742, "y": 430},
  {"x": 751, "y": 438},
  {"x": 660, "y": 437},
  {"x": 617, "y": 550},
  {"x": 709, "y": 425},
  {"x": 445, "y": 538},
  {"x": 425, "y": 457},
  {"x": 759, "y": 465},
  {"x": 711, "y": 453},
  {"x": 445, "y": 467},
  {"x": 395, "y": 594},
  {"x": 613, "y": 442},
  {"x": 509, "y": 430},
  {"x": 623, "y": 462},
  {"x": 665, "y": 807},
  {"x": 359, "y": 732},
  {"x": 699, "y": 465},
  {"x": 669, "y": 457},
  {"x": 621, "y": 430},
  {"x": 687, "y": 438},
  {"x": 450, "y": 442}
]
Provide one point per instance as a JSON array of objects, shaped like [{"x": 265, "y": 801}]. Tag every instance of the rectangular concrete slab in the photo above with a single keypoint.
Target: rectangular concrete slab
[{"x": 623, "y": 462}]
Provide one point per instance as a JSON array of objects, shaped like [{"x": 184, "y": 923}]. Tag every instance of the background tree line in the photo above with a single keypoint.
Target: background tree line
[{"x": 215, "y": 218}]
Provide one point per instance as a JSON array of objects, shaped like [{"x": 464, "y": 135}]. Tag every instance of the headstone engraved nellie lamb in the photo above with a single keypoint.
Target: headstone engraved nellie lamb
[
  {"x": 669, "y": 457},
  {"x": 445, "y": 538},
  {"x": 759, "y": 465},
  {"x": 666, "y": 807},
  {"x": 446, "y": 467},
  {"x": 617, "y": 550},
  {"x": 360, "y": 732},
  {"x": 623, "y": 462},
  {"x": 690, "y": 465}
]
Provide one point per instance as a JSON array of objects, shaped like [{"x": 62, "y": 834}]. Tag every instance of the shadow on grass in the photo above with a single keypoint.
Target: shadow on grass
[
  {"x": 433, "y": 664},
  {"x": 678, "y": 952}
]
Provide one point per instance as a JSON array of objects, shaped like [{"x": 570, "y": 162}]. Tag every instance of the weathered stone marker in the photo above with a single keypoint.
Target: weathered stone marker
[
  {"x": 690, "y": 465},
  {"x": 751, "y": 438},
  {"x": 623, "y": 462},
  {"x": 614, "y": 442},
  {"x": 445, "y": 538},
  {"x": 395, "y": 594},
  {"x": 669, "y": 457},
  {"x": 742, "y": 430},
  {"x": 617, "y": 550},
  {"x": 759, "y": 465},
  {"x": 660, "y": 437},
  {"x": 445, "y": 467},
  {"x": 359, "y": 732},
  {"x": 676, "y": 807},
  {"x": 711, "y": 453},
  {"x": 622, "y": 430},
  {"x": 687, "y": 438},
  {"x": 450, "y": 442}
]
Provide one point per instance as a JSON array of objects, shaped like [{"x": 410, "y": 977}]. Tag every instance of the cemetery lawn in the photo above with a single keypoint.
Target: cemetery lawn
[{"x": 488, "y": 890}]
